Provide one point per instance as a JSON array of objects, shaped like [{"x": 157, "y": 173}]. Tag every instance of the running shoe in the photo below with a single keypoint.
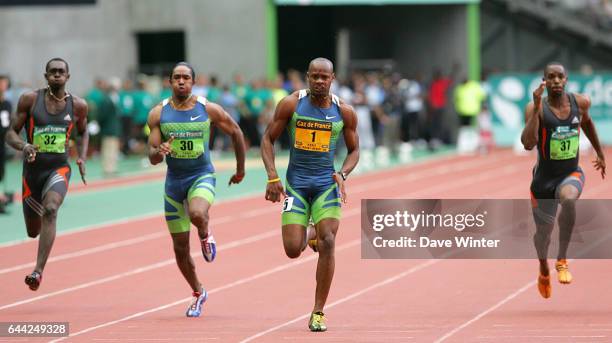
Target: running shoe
[
  {"x": 33, "y": 280},
  {"x": 317, "y": 322},
  {"x": 544, "y": 286},
  {"x": 209, "y": 248},
  {"x": 563, "y": 274},
  {"x": 195, "y": 308}
]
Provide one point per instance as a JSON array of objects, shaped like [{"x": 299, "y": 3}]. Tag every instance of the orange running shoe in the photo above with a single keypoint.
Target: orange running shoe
[
  {"x": 563, "y": 274},
  {"x": 544, "y": 286}
]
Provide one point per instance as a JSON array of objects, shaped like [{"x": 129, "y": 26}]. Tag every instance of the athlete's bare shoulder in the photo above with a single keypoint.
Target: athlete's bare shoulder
[
  {"x": 80, "y": 105},
  {"x": 583, "y": 101}
]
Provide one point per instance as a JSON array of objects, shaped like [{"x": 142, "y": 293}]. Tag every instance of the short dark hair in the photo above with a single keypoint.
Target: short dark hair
[
  {"x": 185, "y": 64},
  {"x": 554, "y": 63},
  {"x": 58, "y": 59}
]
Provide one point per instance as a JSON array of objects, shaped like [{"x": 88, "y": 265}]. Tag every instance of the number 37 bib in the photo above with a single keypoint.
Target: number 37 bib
[
  {"x": 564, "y": 143},
  {"x": 312, "y": 135}
]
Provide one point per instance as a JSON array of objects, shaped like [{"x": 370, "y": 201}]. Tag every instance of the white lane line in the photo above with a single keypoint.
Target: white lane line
[
  {"x": 239, "y": 282},
  {"x": 347, "y": 298}
]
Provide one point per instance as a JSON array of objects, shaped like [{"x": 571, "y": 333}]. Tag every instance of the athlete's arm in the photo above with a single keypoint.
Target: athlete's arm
[
  {"x": 533, "y": 115},
  {"x": 283, "y": 112},
  {"x": 351, "y": 140},
  {"x": 157, "y": 148},
  {"x": 80, "y": 114},
  {"x": 587, "y": 125},
  {"x": 225, "y": 122},
  {"x": 24, "y": 105}
]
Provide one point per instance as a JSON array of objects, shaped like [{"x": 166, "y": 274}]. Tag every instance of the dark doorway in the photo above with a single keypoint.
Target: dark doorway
[
  {"x": 304, "y": 33},
  {"x": 159, "y": 51}
]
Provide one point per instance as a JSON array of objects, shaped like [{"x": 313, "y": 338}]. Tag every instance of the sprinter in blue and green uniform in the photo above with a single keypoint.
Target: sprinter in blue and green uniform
[
  {"x": 180, "y": 132},
  {"x": 315, "y": 119},
  {"x": 553, "y": 127}
]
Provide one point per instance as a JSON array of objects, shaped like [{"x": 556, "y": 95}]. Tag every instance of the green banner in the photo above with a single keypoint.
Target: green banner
[
  {"x": 510, "y": 93},
  {"x": 373, "y": 2}
]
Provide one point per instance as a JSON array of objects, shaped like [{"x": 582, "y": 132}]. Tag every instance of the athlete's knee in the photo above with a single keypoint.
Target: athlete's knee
[
  {"x": 326, "y": 243},
  {"x": 293, "y": 250},
  {"x": 198, "y": 217},
  {"x": 50, "y": 210},
  {"x": 181, "y": 251},
  {"x": 568, "y": 202}
]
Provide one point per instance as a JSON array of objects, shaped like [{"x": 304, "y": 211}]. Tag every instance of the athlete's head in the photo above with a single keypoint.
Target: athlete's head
[
  {"x": 320, "y": 76},
  {"x": 556, "y": 78},
  {"x": 181, "y": 79},
  {"x": 57, "y": 72}
]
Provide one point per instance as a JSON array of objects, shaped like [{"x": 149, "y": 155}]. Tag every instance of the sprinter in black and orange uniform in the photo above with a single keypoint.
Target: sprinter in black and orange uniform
[
  {"x": 553, "y": 126},
  {"x": 49, "y": 116}
]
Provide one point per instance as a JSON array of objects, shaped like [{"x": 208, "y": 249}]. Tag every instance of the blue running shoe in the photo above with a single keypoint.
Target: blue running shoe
[
  {"x": 209, "y": 248},
  {"x": 195, "y": 308}
]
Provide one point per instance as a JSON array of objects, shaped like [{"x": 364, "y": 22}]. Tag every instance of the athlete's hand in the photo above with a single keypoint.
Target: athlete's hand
[
  {"x": 165, "y": 148},
  {"x": 29, "y": 152},
  {"x": 81, "y": 164},
  {"x": 600, "y": 164},
  {"x": 236, "y": 178},
  {"x": 537, "y": 97},
  {"x": 274, "y": 190},
  {"x": 340, "y": 183}
]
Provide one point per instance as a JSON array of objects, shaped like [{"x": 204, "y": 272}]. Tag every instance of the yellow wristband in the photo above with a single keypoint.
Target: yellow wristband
[{"x": 274, "y": 180}]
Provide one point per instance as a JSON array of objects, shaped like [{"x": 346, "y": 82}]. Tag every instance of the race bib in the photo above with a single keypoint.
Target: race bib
[
  {"x": 50, "y": 139},
  {"x": 187, "y": 144},
  {"x": 288, "y": 204},
  {"x": 564, "y": 143},
  {"x": 312, "y": 135}
]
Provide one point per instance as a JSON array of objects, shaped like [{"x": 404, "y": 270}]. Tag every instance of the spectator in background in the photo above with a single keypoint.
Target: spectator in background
[
  {"x": 258, "y": 103},
  {"x": 469, "y": 96},
  {"x": 126, "y": 113},
  {"x": 5, "y": 119},
  {"x": 143, "y": 101},
  {"x": 108, "y": 118},
  {"x": 412, "y": 96},
  {"x": 166, "y": 90},
  {"x": 278, "y": 92},
  {"x": 200, "y": 88},
  {"x": 214, "y": 91},
  {"x": 437, "y": 102},
  {"x": 229, "y": 102}
]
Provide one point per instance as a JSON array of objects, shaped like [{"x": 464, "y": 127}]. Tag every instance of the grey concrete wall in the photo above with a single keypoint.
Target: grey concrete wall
[
  {"x": 221, "y": 37},
  {"x": 418, "y": 38}
]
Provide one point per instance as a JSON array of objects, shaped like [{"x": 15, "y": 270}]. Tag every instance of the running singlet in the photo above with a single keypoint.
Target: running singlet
[
  {"x": 314, "y": 133},
  {"x": 50, "y": 132},
  {"x": 191, "y": 132},
  {"x": 558, "y": 139}
]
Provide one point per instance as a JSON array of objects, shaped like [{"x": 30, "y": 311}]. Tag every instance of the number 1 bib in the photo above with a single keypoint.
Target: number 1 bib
[
  {"x": 50, "y": 139},
  {"x": 312, "y": 135}
]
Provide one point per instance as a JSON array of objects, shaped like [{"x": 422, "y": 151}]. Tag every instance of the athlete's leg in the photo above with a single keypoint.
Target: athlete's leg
[
  {"x": 32, "y": 207},
  {"x": 294, "y": 239},
  {"x": 180, "y": 242},
  {"x": 544, "y": 213},
  {"x": 296, "y": 213},
  {"x": 568, "y": 192},
  {"x": 326, "y": 239},
  {"x": 51, "y": 203},
  {"x": 53, "y": 193},
  {"x": 201, "y": 196}
]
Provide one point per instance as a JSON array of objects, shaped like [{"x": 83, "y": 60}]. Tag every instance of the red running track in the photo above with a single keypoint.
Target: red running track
[{"x": 120, "y": 283}]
